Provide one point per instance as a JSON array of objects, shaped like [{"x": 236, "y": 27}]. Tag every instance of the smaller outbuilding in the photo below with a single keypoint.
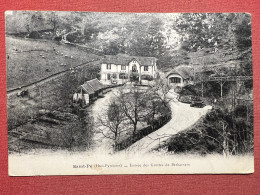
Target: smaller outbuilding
[
  {"x": 97, "y": 86},
  {"x": 88, "y": 92},
  {"x": 180, "y": 77}
]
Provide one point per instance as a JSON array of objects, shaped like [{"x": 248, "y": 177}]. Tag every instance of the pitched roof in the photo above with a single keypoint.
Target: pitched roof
[
  {"x": 87, "y": 88},
  {"x": 92, "y": 86},
  {"x": 184, "y": 71},
  {"x": 124, "y": 59},
  {"x": 95, "y": 84}
]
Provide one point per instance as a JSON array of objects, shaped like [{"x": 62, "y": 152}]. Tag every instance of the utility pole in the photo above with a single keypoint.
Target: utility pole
[{"x": 221, "y": 82}]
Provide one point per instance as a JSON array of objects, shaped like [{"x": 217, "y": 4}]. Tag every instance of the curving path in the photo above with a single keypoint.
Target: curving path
[
  {"x": 183, "y": 116},
  {"x": 101, "y": 144}
]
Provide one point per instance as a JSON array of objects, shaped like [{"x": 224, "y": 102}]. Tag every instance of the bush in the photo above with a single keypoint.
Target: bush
[
  {"x": 35, "y": 35},
  {"x": 209, "y": 135},
  {"x": 189, "y": 90},
  {"x": 73, "y": 37},
  {"x": 58, "y": 38}
]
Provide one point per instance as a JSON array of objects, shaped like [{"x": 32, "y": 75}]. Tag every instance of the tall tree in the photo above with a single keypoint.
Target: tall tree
[
  {"x": 112, "y": 123},
  {"x": 134, "y": 106}
]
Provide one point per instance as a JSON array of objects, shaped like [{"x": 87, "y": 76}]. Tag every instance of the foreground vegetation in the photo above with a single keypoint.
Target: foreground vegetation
[
  {"x": 47, "y": 112},
  {"x": 134, "y": 112},
  {"x": 53, "y": 130},
  {"x": 223, "y": 132}
]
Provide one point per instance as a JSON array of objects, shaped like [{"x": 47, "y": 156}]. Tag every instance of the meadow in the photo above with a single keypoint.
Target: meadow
[
  {"x": 27, "y": 62},
  {"x": 30, "y": 60}
]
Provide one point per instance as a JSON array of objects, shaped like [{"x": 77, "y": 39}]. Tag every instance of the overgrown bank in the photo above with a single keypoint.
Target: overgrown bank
[
  {"x": 220, "y": 131},
  {"x": 69, "y": 129}
]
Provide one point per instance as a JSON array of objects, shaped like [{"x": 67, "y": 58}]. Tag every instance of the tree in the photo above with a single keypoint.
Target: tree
[
  {"x": 78, "y": 133},
  {"x": 34, "y": 21},
  {"x": 134, "y": 105},
  {"x": 220, "y": 33},
  {"x": 53, "y": 20},
  {"x": 161, "y": 91},
  {"x": 243, "y": 40},
  {"x": 69, "y": 84},
  {"x": 147, "y": 41},
  {"x": 201, "y": 30},
  {"x": 112, "y": 123}
]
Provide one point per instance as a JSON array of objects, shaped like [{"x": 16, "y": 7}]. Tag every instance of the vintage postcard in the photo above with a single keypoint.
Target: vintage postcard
[{"x": 93, "y": 93}]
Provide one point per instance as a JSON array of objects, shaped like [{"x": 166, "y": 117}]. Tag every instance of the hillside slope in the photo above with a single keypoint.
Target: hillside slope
[{"x": 30, "y": 60}]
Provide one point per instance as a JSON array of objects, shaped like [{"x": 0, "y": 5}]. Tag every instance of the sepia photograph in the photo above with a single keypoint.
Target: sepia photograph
[{"x": 96, "y": 93}]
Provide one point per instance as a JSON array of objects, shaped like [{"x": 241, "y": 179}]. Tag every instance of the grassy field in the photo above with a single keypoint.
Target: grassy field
[
  {"x": 46, "y": 96},
  {"x": 49, "y": 94},
  {"x": 25, "y": 65},
  {"x": 30, "y": 60}
]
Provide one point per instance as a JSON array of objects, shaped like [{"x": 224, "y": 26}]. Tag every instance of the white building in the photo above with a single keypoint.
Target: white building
[
  {"x": 88, "y": 92},
  {"x": 180, "y": 77},
  {"x": 119, "y": 69}
]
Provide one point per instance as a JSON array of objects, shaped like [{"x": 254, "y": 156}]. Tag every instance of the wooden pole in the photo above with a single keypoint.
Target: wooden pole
[
  {"x": 202, "y": 89},
  {"x": 40, "y": 91},
  {"x": 221, "y": 88}
]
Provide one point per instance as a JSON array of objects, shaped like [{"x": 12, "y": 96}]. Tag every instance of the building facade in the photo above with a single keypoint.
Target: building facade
[
  {"x": 88, "y": 92},
  {"x": 180, "y": 77},
  {"x": 122, "y": 68}
]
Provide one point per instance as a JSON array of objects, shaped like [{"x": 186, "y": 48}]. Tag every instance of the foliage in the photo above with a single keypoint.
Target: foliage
[
  {"x": 223, "y": 132},
  {"x": 34, "y": 35},
  {"x": 131, "y": 107},
  {"x": 227, "y": 35},
  {"x": 112, "y": 124},
  {"x": 212, "y": 30},
  {"x": 78, "y": 134},
  {"x": 218, "y": 33}
]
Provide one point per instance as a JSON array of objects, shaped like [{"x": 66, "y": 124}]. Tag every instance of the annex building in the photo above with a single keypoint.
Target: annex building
[{"x": 180, "y": 77}]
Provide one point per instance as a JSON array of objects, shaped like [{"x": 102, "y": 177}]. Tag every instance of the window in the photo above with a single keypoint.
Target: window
[
  {"x": 134, "y": 68},
  {"x": 108, "y": 76},
  {"x": 122, "y": 76},
  {"x": 145, "y": 68},
  {"x": 123, "y": 67},
  {"x": 108, "y": 66},
  {"x": 114, "y": 76},
  {"x": 175, "y": 80},
  {"x": 147, "y": 77}
]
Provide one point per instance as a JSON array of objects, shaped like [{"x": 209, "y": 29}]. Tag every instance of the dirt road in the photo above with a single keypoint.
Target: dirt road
[
  {"x": 183, "y": 116},
  {"x": 101, "y": 144}
]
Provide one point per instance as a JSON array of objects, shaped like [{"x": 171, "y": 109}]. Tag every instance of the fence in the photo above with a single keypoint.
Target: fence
[
  {"x": 143, "y": 132},
  {"x": 108, "y": 88},
  {"x": 48, "y": 77}
]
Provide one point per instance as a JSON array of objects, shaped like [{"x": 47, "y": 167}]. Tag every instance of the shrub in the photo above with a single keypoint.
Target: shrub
[{"x": 34, "y": 35}]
